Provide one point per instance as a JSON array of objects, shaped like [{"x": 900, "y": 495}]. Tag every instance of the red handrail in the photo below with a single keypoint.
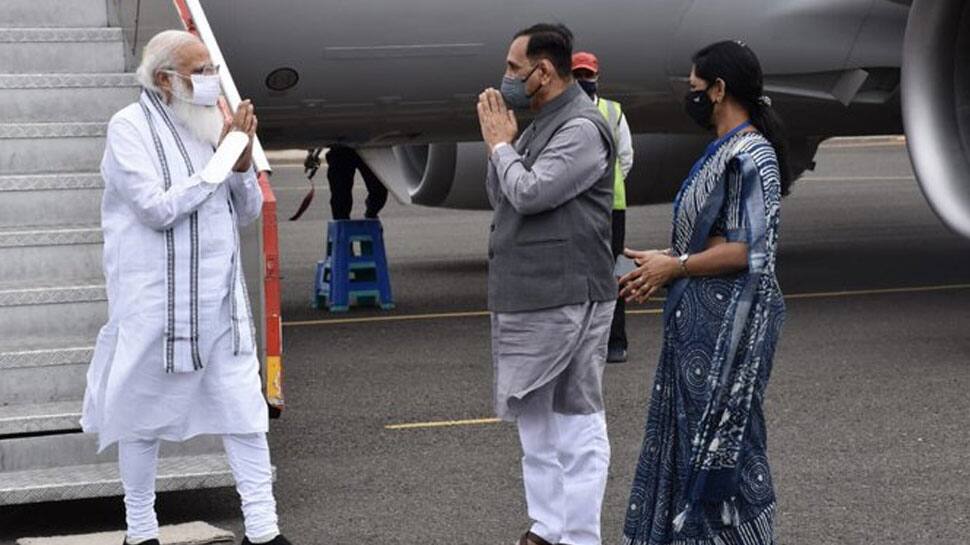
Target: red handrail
[
  {"x": 273, "y": 323},
  {"x": 271, "y": 295}
]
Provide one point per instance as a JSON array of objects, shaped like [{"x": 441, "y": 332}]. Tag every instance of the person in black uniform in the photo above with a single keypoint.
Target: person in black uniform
[{"x": 342, "y": 162}]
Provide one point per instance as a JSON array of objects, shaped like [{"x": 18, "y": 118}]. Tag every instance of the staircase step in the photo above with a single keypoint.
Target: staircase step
[
  {"x": 68, "y": 466},
  {"x": 73, "y": 449},
  {"x": 51, "y": 295},
  {"x": 43, "y": 50},
  {"x": 50, "y": 200},
  {"x": 34, "y": 148},
  {"x": 54, "y": 369},
  {"x": 60, "y": 311},
  {"x": 79, "y": 129},
  {"x": 26, "y": 353},
  {"x": 51, "y": 13},
  {"x": 46, "y": 182},
  {"x": 15, "y": 237},
  {"x": 64, "y": 97},
  {"x": 40, "y": 417},
  {"x": 100, "y": 480},
  {"x": 50, "y": 255}
]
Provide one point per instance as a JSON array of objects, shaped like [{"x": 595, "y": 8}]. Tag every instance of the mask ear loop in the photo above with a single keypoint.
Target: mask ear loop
[
  {"x": 170, "y": 73},
  {"x": 176, "y": 73},
  {"x": 526, "y": 80},
  {"x": 533, "y": 71}
]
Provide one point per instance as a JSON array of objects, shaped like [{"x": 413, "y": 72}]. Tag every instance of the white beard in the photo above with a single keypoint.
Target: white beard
[{"x": 203, "y": 122}]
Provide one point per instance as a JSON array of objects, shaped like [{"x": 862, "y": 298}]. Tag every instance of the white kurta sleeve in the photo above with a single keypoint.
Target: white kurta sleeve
[
  {"x": 247, "y": 197},
  {"x": 128, "y": 168},
  {"x": 624, "y": 147}
]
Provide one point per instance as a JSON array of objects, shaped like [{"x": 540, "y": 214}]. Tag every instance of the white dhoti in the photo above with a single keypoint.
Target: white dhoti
[{"x": 548, "y": 377}]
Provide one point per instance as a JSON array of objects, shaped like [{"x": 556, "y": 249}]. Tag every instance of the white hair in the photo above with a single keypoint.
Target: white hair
[{"x": 159, "y": 54}]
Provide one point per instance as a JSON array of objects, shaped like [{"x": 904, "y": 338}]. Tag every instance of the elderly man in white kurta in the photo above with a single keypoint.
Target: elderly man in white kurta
[{"x": 177, "y": 357}]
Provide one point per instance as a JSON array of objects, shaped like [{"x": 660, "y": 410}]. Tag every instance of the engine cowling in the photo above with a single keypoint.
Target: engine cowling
[
  {"x": 936, "y": 105},
  {"x": 450, "y": 175}
]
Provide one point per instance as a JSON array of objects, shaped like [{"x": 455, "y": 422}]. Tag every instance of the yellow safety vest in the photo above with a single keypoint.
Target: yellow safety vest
[{"x": 612, "y": 111}]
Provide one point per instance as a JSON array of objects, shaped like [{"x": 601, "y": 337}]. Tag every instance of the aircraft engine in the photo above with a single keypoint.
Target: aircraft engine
[
  {"x": 936, "y": 105},
  {"x": 451, "y": 175}
]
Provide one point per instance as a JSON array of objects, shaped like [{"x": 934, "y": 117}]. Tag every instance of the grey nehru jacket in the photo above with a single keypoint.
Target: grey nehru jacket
[{"x": 553, "y": 196}]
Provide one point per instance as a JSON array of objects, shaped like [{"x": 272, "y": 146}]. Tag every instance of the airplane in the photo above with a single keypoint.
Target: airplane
[{"x": 399, "y": 80}]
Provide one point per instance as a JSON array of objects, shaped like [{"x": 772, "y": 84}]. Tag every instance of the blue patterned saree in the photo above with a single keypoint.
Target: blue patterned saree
[{"x": 702, "y": 477}]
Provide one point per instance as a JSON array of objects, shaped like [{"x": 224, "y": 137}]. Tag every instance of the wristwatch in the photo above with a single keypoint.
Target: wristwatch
[{"x": 682, "y": 259}]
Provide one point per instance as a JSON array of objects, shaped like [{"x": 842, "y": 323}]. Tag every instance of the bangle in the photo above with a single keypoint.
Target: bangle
[{"x": 682, "y": 259}]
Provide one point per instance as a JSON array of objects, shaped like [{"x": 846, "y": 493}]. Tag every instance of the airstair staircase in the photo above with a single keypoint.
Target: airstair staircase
[{"x": 62, "y": 76}]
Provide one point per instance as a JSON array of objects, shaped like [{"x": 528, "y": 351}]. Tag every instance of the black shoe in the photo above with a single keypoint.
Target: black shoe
[
  {"x": 615, "y": 355},
  {"x": 531, "y": 539},
  {"x": 278, "y": 540},
  {"x": 149, "y": 542}
]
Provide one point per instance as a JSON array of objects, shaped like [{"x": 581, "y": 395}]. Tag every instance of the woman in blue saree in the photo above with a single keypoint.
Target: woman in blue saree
[{"x": 702, "y": 477}]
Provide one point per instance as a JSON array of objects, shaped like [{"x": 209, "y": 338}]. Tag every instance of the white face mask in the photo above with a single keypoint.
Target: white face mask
[{"x": 205, "y": 89}]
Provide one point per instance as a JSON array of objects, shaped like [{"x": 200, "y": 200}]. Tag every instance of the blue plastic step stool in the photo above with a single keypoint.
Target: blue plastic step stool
[{"x": 355, "y": 268}]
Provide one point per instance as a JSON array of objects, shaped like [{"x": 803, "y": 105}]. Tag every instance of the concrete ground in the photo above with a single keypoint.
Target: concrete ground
[{"x": 867, "y": 408}]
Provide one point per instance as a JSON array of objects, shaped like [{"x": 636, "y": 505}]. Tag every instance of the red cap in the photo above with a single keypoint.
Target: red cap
[{"x": 587, "y": 60}]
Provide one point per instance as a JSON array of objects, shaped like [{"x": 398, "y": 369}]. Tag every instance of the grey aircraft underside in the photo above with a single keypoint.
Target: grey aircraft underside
[{"x": 399, "y": 79}]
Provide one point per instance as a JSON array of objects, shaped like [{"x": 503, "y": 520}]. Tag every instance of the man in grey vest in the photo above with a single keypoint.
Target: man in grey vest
[{"x": 551, "y": 287}]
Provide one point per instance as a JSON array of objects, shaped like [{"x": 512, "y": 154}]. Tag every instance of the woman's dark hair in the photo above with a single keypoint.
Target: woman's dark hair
[
  {"x": 737, "y": 65},
  {"x": 554, "y": 42}
]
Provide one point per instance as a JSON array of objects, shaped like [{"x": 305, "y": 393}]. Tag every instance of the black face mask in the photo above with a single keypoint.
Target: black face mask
[
  {"x": 589, "y": 86},
  {"x": 700, "y": 108}
]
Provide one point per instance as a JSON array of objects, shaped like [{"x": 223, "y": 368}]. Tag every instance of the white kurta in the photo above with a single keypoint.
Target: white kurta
[{"x": 130, "y": 392}]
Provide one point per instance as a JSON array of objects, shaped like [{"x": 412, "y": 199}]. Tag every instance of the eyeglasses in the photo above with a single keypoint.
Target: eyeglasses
[{"x": 206, "y": 70}]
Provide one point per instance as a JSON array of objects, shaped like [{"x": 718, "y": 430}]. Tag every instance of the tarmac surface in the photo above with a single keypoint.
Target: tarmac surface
[{"x": 867, "y": 408}]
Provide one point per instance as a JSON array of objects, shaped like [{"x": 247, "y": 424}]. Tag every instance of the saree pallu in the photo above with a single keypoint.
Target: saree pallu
[{"x": 702, "y": 477}]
